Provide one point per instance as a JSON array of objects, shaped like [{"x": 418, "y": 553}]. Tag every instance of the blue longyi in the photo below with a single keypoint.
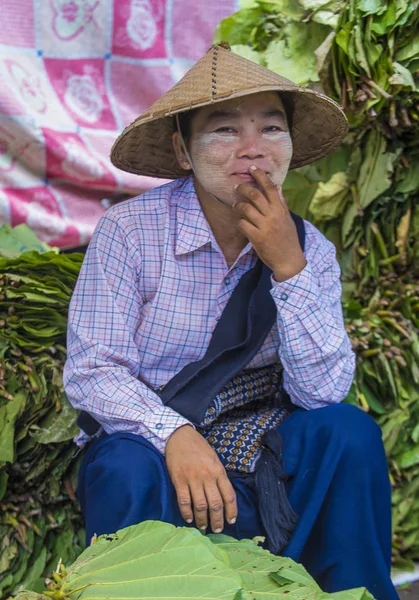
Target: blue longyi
[{"x": 338, "y": 485}]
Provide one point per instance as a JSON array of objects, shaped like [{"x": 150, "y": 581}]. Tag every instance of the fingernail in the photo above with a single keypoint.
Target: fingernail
[
  {"x": 236, "y": 186},
  {"x": 204, "y": 528},
  {"x": 189, "y": 521},
  {"x": 232, "y": 521},
  {"x": 253, "y": 168},
  {"x": 217, "y": 530}
]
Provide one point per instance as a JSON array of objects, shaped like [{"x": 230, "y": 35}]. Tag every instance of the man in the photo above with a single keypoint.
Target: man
[{"x": 202, "y": 308}]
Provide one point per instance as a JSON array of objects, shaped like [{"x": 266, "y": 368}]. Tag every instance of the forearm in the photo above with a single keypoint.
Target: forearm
[
  {"x": 314, "y": 347},
  {"x": 116, "y": 398}
]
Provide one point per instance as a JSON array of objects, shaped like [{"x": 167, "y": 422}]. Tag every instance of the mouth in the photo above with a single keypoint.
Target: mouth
[{"x": 245, "y": 176}]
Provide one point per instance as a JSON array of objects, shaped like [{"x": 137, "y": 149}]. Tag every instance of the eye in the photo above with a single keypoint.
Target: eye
[
  {"x": 272, "y": 129},
  {"x": 225, "y": 129}
]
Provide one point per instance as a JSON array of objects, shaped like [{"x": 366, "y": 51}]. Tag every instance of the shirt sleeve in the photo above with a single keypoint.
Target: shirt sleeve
[
  {"x": 103, "y": 362},
  {"x": 315, "y": 350}
]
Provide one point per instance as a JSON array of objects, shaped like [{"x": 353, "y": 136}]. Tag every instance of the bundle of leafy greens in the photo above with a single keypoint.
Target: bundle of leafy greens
[
  {"x": 364, "y": 197},
  {"x": 39, "y": 520},
  {"x": 158, "y": 560}
]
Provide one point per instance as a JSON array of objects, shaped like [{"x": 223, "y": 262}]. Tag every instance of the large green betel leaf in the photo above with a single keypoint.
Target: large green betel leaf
[
  {"x": 270, "y": 577},
  {"x": 157, "y": 560},
  {"x": 152, "y": 560}
]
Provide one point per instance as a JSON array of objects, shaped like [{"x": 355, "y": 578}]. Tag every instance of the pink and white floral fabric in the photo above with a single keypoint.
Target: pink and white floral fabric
[{"x": 73, "y": 73}]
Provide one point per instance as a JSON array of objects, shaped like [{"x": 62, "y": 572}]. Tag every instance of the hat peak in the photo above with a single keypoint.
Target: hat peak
[{"x": 224, "y": 45}]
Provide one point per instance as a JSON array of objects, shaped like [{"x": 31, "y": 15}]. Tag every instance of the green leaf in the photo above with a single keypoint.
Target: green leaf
[
  {"x": 152, "y": 560},
  {"x": 330, "y": 198},
  {"x": 360, "y": 51},
  {"x": 373, "y": 52},
  {"x": 274, "y": 577},
  {"x": 409, "y": 458},
  {"x": 238, "y": 27},
  {"x": 298, "y": 191},
  {"x": 288, "y": 9},
  {"x": 35, "y": 571},
  {"x": 352, "y": 397},
  {"x": 376, "y": 170},
  {"x": 415, "y": 434},
  {"x": 385, "y": 20},
  {"x": 325, "y": 17},
  {"x": 409, "y": 179},
  {"x": 13, "y": 242},
  {"x": 323, "y": 51},
  {"x": 409, "y": 50},
  {"x": 247, "y": 52},
  {"x": 343, "y": 37},
  {"x": 56, "y": 428},
  {"x": 402, "y": 76},
  {"x": 297, "y": 574},
  {"x": 370, "y": 7},
  {"x": 3, "y": 482},
  {"x": 314, "y": 5},
  {"x": 348, "y": 229},
  {"x": 254, "y": 566},
  {"x": 28, "y": 595},
  {"x": 9, "y": 413},
  {"x": 294, "y": 55},
  {"x": 373, "y": 402}
]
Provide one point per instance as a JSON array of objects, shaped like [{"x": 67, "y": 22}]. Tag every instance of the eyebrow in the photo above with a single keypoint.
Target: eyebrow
[{"x": 234, "y": 114}]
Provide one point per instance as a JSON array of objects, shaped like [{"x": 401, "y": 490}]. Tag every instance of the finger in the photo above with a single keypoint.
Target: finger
[
  {"x": 266, "y": 184},
  {"x": 248, "y": 229},
  {"x": 249, "y": 212},
  {"x": 229, "y": 499},
  {"x": 281, "y": 196},
  {"x": 254, "y": 197},
  {"x": 200, "y": 506},
  {"x": 216, "y": 508},
  {"x": 184, "y": 502}
]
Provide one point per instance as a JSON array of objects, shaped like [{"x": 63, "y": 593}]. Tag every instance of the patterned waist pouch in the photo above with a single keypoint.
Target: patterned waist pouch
[
  {"x": 240, "y": 424},
  {"x": 250, "y": 405}
]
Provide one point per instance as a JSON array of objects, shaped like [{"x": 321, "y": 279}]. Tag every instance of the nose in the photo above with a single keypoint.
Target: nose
[{"x": 250, "y": 146}]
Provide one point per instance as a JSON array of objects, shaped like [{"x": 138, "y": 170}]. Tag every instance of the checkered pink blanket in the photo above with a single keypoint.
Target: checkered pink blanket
[{"x": 73, "y": 73}]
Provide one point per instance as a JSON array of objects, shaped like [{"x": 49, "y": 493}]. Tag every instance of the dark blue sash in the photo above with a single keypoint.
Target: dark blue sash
[{"x": 238, "y": 336}]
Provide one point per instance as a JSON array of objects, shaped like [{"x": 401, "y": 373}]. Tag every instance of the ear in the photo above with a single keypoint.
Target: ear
[{"x": 180, "y": 151}]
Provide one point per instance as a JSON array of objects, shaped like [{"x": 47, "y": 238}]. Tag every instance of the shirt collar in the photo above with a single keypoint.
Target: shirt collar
[{"x": 193, "y": 230}]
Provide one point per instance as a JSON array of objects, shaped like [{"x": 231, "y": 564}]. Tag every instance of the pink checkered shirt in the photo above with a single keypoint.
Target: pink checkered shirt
[{"x": 152, "y": 287}]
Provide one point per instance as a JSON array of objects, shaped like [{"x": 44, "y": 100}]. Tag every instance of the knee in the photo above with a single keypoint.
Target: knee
[
  {"x": 356, "y": 431},
  {"x": 120, "y": 460},
  {"x": 120, "y": 484}
]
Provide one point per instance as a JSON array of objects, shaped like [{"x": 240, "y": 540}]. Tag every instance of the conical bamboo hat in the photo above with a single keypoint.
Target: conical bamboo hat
[{"x": 145, "y": 147}]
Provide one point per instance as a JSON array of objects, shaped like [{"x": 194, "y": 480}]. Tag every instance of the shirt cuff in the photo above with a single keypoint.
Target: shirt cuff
[
  {"x": 295, "y": 294},
  {"x": 163, "y": 428}
]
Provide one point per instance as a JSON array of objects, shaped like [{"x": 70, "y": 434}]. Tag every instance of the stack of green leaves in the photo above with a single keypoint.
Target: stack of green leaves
[
  {"x": 39, "y": 520},
  {"x": 385, "y": 335},
  {"x": 158, "y": 560},
  {"x": 364, "y": 197}
]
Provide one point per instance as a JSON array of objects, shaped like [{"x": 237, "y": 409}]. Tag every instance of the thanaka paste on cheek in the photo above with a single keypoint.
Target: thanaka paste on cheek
[
  {"x": 211, "y": 154},
  {"x": 216, "y": 156}
]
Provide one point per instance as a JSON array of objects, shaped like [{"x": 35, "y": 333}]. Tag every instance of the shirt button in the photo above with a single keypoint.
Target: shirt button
[
  {"x": 227, "y": 281},
  {"x": 159, "y": 426},
  {"x": 284, "y": 296}
]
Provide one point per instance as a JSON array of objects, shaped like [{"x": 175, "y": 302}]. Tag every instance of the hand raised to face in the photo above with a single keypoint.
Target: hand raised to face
[{"x": 265, "y": 219}]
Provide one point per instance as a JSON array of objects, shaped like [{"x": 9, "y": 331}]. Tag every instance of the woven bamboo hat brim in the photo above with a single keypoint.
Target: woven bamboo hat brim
[{"x": 145, "y": 147}]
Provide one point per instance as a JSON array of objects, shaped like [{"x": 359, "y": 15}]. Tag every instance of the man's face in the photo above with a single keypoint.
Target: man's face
[{"x": 229, "y": 137}]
